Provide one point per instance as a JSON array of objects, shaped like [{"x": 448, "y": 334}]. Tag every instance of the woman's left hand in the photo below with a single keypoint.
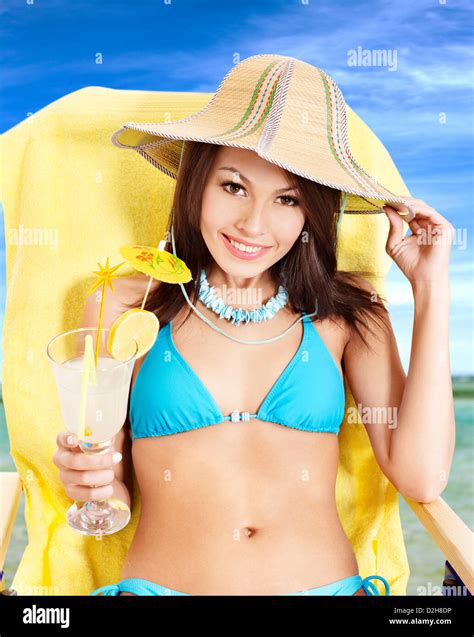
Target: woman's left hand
[{"x": 424, "y": 255}]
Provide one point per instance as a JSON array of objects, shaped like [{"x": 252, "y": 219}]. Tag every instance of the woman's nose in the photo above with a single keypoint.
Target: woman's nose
[{"x": 254, "y": 220}]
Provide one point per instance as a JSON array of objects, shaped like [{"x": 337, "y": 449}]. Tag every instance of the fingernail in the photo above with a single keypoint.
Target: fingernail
[
  {"x": 116, "y": 457},
  {"x": 70, "y": 440}
]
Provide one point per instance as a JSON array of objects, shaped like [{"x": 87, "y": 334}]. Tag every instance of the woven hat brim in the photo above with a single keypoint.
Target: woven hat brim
[
  {"x": 289, "y": 113},
  {"x": 163, "y": 152}
]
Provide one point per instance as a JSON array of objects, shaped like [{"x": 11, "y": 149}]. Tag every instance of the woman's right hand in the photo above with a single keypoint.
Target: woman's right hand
[{"x": 85, "y": 477}]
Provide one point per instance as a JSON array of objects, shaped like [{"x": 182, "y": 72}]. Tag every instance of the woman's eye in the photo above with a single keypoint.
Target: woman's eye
[
  {"x": 292, "y": 200},
  {"x": 232, "y": 185}
]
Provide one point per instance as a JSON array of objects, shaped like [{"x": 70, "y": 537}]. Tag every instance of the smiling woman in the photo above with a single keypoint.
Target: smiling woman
[
  {"x": 260, "y": 484},
  {"x": 235, "y": 448}
]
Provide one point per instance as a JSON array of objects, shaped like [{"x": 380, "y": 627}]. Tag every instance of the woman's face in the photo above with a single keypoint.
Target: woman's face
[{"x": 250, "y": 201}]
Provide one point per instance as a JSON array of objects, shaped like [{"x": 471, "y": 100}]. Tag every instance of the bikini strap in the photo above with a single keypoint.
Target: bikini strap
[
  {"x": 370, "y": 587},
  {"x": 110, "y": 589}
]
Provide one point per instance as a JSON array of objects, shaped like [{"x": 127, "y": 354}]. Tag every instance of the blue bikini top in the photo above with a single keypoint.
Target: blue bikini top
[{"x": 168, "y": 397}]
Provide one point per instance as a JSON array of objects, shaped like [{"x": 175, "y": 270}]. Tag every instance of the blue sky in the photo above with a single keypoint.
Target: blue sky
[{"x": 49, "y": 48}]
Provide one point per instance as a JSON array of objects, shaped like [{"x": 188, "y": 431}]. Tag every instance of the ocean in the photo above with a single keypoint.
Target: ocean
[{"x": 425, "y": 558}]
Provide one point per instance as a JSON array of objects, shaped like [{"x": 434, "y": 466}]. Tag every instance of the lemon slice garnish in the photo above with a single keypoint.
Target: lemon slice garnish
[{"x": 133, "y": 325}]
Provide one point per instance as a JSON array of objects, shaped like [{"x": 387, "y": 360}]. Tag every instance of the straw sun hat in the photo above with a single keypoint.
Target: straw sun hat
[{"x": 289, "y": 112}]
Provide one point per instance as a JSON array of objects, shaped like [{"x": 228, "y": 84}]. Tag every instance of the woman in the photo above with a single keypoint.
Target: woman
[{"x": 247, "y": 505}]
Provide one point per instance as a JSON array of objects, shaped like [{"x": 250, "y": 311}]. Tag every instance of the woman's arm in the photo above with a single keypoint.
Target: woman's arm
[
  {"x": 426, "y": 420},
  {"x": 410, "y": 420}
]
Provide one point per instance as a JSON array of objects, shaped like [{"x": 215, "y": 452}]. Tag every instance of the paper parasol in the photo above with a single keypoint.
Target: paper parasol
[{"x": 157, "y": 263}]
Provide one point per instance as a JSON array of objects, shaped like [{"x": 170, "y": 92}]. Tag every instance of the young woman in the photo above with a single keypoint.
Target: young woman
[{"x": 248, "y": 506}]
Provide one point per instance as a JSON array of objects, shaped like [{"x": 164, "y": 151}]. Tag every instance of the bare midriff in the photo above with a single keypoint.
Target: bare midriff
[
  {"x": 244, "y": 508},
  {"x": 239, "y": 510}
]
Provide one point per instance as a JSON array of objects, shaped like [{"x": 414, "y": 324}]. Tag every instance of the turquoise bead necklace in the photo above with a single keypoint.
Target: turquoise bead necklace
[{"x": 236, "y": 316}]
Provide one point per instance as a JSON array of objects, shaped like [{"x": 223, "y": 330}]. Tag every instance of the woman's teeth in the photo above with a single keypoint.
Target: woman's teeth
[{"x": 242, "y": 247}]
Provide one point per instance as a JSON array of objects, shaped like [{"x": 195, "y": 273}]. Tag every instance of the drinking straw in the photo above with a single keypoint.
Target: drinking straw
[{"x": 88, "y": 375}]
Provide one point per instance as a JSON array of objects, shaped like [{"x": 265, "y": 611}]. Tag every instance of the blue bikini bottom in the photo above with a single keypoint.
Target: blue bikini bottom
[{"x": 346, "y": 586}]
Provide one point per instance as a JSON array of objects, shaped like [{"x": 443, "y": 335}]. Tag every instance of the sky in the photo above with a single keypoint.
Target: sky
[{"x": 418, "y": 98}]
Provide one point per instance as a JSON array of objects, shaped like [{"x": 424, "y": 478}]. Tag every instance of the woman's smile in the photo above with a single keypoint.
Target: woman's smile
[{"x": 243, "y": 250}]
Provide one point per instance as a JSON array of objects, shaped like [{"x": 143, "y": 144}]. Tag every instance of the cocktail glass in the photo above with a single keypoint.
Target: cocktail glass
[{"x": 105, "y": 413}]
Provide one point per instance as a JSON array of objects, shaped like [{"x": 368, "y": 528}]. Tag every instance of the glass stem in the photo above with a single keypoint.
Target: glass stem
[{"x": 97, "y": 513}]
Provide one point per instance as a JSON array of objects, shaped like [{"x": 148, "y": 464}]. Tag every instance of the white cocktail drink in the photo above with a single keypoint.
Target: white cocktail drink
[
  {"x": 106, "y": 407},
  {"x": 94, "y": 407}
]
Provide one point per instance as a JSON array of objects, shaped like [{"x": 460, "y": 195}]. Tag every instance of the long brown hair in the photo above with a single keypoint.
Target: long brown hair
[{"x": 310, "y": 269}]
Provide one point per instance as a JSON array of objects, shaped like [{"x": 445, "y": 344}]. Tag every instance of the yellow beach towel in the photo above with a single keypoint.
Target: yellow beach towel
[{"x": 71, "y": 199}]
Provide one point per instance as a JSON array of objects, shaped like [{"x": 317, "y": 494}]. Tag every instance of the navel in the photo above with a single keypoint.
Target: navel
[{"x": 249, "y": 531}]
